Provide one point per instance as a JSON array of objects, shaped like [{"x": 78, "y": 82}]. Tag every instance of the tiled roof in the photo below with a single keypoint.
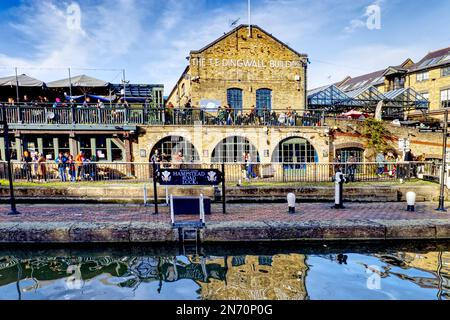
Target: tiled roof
[
  {"x": 370, "y": 79},
  {"x": 373, "y": 78},
  {"x": 433, "y": 59}
]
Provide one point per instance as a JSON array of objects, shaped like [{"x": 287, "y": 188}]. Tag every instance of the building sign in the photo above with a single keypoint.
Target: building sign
[
  {"x": 190, "y": 177},
  {"x": 246, "y": 63},
  {"x": 210, "y": 105}
]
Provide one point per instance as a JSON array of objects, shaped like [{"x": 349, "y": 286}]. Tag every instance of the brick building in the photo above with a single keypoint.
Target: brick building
[
  {"x": 243, "y": 68},
  {"x": 429, "y": 77}
]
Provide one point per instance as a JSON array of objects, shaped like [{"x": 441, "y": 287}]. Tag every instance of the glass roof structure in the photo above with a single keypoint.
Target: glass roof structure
[
  {"x": 327, "y": 98},
  {"x": 330, "y": 99}
]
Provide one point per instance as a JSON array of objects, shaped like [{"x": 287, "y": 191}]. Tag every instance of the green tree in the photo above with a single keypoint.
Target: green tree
[{"x": 376, "y": 135}]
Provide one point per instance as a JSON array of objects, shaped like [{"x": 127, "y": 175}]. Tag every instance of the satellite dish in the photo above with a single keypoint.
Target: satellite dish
[
  {"x": 50, "y": 116},
  {"x": 234, "y": 23},
  {"x": 211, "y": 105}
]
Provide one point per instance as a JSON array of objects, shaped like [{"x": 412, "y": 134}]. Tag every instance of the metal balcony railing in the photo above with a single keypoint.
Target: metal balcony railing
[
  {"x": 234, "y": 172},
  {"x": 65, "y": 114}
]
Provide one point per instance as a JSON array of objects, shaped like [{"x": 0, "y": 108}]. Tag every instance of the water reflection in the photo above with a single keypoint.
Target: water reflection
[{"x": 330, "y": 275}]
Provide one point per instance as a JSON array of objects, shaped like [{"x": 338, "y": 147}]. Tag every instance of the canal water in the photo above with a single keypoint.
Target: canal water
[{"x": 279, "y": 271}]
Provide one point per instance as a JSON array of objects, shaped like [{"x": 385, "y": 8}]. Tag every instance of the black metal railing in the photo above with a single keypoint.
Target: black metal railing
[
  {"x": 66, "y": 114},
  {"x": 234, "y": 172}
]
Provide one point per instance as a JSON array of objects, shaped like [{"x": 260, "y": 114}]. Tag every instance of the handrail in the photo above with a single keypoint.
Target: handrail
[
  {"x": 50, "y": 114},
  {"x": 271, "y": 172}
]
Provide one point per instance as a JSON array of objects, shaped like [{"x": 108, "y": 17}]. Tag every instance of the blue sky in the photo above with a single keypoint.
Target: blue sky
[{"x": 152, "y": 38}]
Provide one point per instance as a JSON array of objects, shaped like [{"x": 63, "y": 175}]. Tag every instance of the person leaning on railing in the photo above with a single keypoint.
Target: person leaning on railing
[
  {"x": 27, "y": 159},
  {"x": 380, "y": 162},
  {"x": 42, "y": 168},
  {"x": 351, "y": 167},
  {"x": 61, "y": 161},
  {"x": 79, "y": 161}
]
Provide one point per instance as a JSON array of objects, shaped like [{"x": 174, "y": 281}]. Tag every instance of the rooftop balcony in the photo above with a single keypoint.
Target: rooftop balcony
[{"x": 79, "y": 117}]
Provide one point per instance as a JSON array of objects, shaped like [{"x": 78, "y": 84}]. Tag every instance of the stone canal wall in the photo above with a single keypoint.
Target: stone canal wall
[
  {"x": 231, "y": 231},
  {"x": 80, "y": 223}
]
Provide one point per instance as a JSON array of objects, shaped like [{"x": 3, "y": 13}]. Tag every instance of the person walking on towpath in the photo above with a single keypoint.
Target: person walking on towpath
[{"x": 250, "y": 173}]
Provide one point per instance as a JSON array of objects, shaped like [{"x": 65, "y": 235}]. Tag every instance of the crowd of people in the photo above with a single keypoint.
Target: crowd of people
[
  {"x": 186, "y": 114},
  {"x": 227, "y": 116},
  {"x": 44, "y": 101},
  {"x": 69, "y": 168},
  {"x": 388, "y": 164},
  {"x": 176, "y": 161},
  {"x": 165, "y": 161}
]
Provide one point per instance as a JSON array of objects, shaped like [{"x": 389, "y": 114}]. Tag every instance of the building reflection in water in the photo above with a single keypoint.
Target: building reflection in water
[
  {"x": 437, "y": 264},
  {"x": 240, "y": 277},
  {"x": 248, "y": 277}
]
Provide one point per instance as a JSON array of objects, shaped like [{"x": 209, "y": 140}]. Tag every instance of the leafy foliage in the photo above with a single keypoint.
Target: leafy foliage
[{"x": 376, "y": 134}]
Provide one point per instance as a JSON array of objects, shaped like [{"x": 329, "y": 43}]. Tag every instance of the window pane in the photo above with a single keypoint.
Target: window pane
[
  {"x": 232, "y": 150},
  {"x": 263, "y": 99},
  {"x": 85, "y": 146},
  {"x": 48, "y": 148},
  {"x": 234, "y": 97},
  {"x": 446, "y": 71},
  {"x": 116, "y": 152},
  {"x": 295, "y": 150},
  {"x": 100, "y": 148},
  {"x": 64, "y": 145}
]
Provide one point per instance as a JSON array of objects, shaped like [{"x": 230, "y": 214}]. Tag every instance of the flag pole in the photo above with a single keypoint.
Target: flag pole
[
  {"x": 17, "y": 87},
  {"x": 249, "y": 19}
]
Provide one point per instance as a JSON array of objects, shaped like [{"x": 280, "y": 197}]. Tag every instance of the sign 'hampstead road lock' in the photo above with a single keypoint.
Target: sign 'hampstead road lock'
[{"x": 190, "y": 177}]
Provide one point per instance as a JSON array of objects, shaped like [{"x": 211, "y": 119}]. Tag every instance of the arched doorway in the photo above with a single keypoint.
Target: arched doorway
[
  {"x": 171, "y": 145},
  {"x": 231, "y": 150},
  {"x": 295, "y": 150},
  {"x": 296, "y": 158},
  {"x": 345, "y": 153}
]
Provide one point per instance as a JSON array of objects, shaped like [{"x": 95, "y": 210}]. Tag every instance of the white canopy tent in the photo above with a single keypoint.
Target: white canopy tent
[
  {"x": 21, "y": 80},
  {"x": 82, "y": 81}
]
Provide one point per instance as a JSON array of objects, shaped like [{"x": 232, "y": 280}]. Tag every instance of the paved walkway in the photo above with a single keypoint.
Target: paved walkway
[
  {"x": 235, "y": 212},
  {"x": 75, "y": 223}
]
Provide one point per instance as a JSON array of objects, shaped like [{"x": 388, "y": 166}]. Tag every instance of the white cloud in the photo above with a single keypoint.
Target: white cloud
[
  {"x": 358, "y": 60},
  {"x": 361, "y": 22},
  {"x": 355, "y": 24},
  {"x": 151, "y": 38},
  {"x": 102, "y": 40}
]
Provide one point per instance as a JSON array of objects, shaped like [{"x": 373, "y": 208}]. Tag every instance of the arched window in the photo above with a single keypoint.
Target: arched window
[
  {"x": 263, "y": 99},
  {"x": 171, "y": 145},
  {"x": 295, "y": 150},
  {"x": 232, "y": 149},
  {"x": 234, "y": 99}
]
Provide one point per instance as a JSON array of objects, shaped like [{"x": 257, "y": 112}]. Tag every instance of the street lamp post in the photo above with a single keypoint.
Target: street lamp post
[
  {"x": 12, "y": 199},
  {"x": 444, "y": 164}
]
